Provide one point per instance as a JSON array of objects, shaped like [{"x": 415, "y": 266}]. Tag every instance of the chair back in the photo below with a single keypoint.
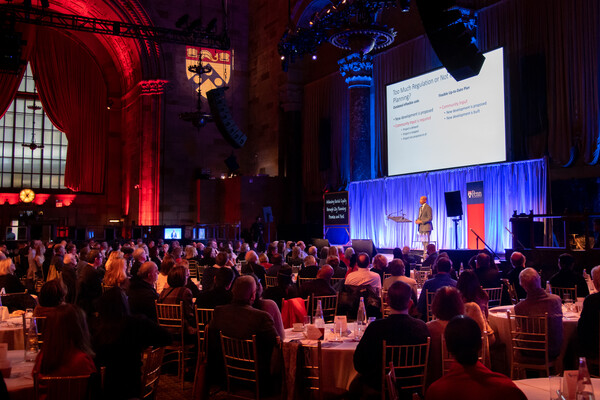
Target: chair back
[
  {"x": 302, "y": 281},
  {"x": 170, "y": 316},
  {"x": 61, "y": 387},
  {"x": 529, "y": 342},
  {"x": 512, "y": 292},
  {"x": 494, "y": 296},
  {"x": 328, "y": 304},
  {"x": 336, "y": 281},
  {"x": 385, "y": 306},
  {"x": 193, "y": 266},
  {"x": 40, "y": 323},
  {"x": 421, "y": 277},
  {"x": 391, "y": 383},
  {"x": 410, "y": 366},
  {"x": 270, "y": 281},
  {"x": 447, "y": 359},
  {"x": 312, "y": 364},
  {"x": 203, "y": 317},
  {"x": 241, "y": 362},
  {"x": 429, "y": 297},
  {"x": 151, "y": 363},
  {"x": 386, "y": 275},
  {"x": 565, "y": 293},
  {"x": 106, "y": 288}
]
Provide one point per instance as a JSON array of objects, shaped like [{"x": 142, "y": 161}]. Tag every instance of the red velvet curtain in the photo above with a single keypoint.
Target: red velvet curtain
[
  {"x": 74, "y": 95},
  {"x": 10, "y": 82}
]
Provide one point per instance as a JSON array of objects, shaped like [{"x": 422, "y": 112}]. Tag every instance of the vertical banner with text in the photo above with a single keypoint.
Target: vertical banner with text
[
  {"x": 336, "y": 217},
  {"x": 475, "y": 214}
]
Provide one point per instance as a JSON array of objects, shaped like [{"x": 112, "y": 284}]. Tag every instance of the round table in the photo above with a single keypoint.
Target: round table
[
  {"x": 338, "y": 365},
  {"x": 539, "y": 388},
  {"x": 499, "y": 323},
  {"x": 20, "y": 383},
  {"x": 11, "y": 332}
]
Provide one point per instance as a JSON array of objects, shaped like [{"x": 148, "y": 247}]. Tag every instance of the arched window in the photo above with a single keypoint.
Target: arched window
[{"x": 20, "y": 166}]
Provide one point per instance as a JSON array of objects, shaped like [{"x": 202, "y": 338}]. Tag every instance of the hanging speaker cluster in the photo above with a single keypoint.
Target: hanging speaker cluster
[
  {"x": 452, "y": 41},
  {"x": 222, "y": 117}
]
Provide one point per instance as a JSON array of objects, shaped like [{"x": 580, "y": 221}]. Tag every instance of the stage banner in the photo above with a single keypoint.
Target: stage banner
[
  {"x": 336, "y": 217},
  {"x": 475, "y": 214}
]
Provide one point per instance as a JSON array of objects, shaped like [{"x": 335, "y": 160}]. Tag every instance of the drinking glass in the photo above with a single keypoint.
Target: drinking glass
[{"x": 554, "y": 382}]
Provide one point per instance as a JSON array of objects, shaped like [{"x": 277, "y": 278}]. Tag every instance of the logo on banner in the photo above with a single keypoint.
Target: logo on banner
[
  {"x": 474, "y": 194},
  {"x": 219, "y": 61}
]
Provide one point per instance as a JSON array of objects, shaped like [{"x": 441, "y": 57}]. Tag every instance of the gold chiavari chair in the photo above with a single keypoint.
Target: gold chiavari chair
[
  {"x": 271, "y": 281},
  {"x": 329, "y": 306},
  {"x": 529, "y": 344},
  {"x": 410, "y": 366},
  {"x": 565, "y": 293},
  {"x": 61, "y": 387},
  {"x": 241, "y": 364},
  {"x": 151, "y": 364},
  {"x": 494, "y": 296}
]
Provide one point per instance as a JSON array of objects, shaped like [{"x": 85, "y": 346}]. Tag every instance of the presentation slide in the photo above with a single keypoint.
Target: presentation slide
[{"x": 435, "y": 122}]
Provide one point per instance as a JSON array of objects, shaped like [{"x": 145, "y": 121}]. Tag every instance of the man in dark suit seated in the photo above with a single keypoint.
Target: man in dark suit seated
[
  {"x": 488, "y": 274},
  {"x": 310, "y": 268},
  {"x": 89, "y": 282},
  {"x": 320, "y": 286},
  {"x": 277, "y": 261},
  {"x": 537, "y": 303},
  {"x": 589, "y": 324},
  {"x": 141, "y": 292},
  {"x": 468, "y": 378},
  {"x": 220, "y": 294},
  {"x": 240, "y": 320},
  {"x": 568, "y": 278},
  {"x": 518, "y": 261},
  {"x": 441, "y": 279},
  {"x": 397, "y": 329}
]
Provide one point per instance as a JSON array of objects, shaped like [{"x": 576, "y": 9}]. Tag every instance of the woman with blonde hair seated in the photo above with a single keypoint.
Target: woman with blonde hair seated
[
  {"x": 116, "y": 273},
  {"x": 8, "y": 280}
]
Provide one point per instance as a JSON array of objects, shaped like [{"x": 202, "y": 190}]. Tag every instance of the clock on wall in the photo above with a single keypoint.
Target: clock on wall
[{"x": 27, "y": 195}]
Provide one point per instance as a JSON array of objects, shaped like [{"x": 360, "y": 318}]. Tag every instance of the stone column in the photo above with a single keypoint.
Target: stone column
[{"x": 358, "y": 71}]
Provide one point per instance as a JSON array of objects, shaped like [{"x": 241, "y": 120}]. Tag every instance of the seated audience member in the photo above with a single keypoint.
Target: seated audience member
[
  {"x": 363, "y": 276},
  {"x": 397, "y": 268},
  {"x": 277, "y": 260},
  {"x": 409, "y": 259},
  {"x": 285, "y": 288},
  {"x": 258, "y": 270},
  {"x": 244, "y": 249},
  {"x": 66, "y": 350},
  {"x": 208, "y": 277},
  {"x": 177, "y": 292},
  {"x": 566, "y": 277},
  {"x": 380, "y": 265},
  {"x": 119, "y": 339},
  {"x": 441, "y": 279},
  {"x": 56, "y": 262},
  {"x": 447, "y": 304},
  {"x": 296, "y": 259},
  {"x": 310, "y": 268},
  {"x": 141, "y": 292},
  {"x": 240, "y": 320},
  {"x": 190, "y": 284},
  {"x": 165, "y": 267},
  {"x": 116, "y": 272},
  {"x": 338, "y": 270},
  {"x": 220, "y": 294},
  {"x": 191, "y": 254},
  {"x": 263, "y": 259},
  {"x": 397, "y": 329},
  {"x": 537, "y": 303},
  {"x": 312, "y": 251},
  {"x": 52, "y": 294},
  {"x": 323, "y": 254},
  {"x": 208, "y": 256},
  {"x": 588, "y": 325},
  {"x": 321, "y": 286},
  {"x": 69, "y": 277},
  {"x": 139, "y": 257},
  {"x": 345, "y": 257},
  {"x": 517, "y": 260},
  {"x": 89, "y": 282},
  {"x": 431, "y": 256},
  {"x": 269, "y": 306},
  {"x": 8, "y": 280},
  {"x": 469, "y": 379},
  {"x": 488, "y": 274},
  {"x": 476, "y": 302}
]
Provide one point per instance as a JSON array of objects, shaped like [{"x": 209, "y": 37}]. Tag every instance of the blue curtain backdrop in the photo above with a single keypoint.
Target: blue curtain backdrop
[{"x": 507, "y": 187}]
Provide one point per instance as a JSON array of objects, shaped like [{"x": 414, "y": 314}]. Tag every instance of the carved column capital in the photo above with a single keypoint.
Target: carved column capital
[{"x": 357, "y": 69}]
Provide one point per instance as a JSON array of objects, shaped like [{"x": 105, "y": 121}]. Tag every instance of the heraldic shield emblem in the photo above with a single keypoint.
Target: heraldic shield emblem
[{"x": 219, "y": 61}]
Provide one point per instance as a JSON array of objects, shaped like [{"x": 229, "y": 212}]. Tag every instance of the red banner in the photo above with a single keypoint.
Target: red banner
[{"x": 475, "y": 214}]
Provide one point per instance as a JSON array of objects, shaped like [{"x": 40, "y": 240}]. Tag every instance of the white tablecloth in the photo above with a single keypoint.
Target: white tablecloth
[
  {"x": 499, "y": 323},
  {"x": 539, "y": 388},
  {"x": 20, "y": 383},
  {"x": 338, "y": 366},
  {"x": 11, "y": 332}
]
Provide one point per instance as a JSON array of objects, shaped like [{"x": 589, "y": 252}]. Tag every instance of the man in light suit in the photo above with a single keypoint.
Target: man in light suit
[{"x": 424, "y": 222}]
